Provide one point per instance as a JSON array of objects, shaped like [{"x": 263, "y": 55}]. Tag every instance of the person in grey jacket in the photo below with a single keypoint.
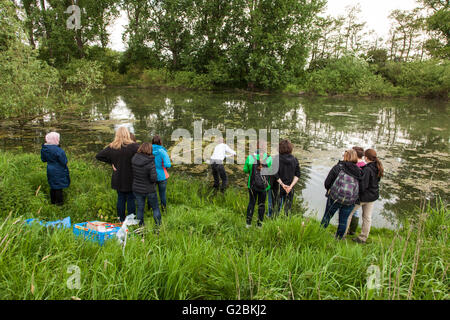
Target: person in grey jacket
[{"x": 144, "y": 182}]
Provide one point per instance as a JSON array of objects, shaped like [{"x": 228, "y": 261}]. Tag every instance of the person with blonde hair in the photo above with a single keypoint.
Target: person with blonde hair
[
  {"x": 342, "y": 185},
  {"x": 57, "y": 171},
  {"x": 118, "y": 154}
]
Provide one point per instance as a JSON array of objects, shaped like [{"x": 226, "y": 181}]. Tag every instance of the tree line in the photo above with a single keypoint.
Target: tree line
[{"x": 282, "y": 45}]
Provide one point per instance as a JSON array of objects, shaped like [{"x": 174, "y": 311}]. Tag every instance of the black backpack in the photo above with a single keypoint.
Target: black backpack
[{"x": 259, "y": 182}]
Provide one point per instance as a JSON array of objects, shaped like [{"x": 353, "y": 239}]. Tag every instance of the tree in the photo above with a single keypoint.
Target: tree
[
  {"x": 45, "y": 22},
  {"x": 406, "y": 29},
  {"x": 438, "y": 23},
  {"x": 29, "y": 87}
]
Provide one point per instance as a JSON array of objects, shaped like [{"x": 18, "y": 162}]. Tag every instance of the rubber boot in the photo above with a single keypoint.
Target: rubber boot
[{"x": 353, "y": 225}]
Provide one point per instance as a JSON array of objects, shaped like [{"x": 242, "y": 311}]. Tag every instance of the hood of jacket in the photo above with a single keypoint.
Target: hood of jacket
[
  {"x": 141, "y": 160},
  {"x": 50, "y": 149},
  {"x": 351, "y": 169},
  {"x": 286, "y": 158},
  {"x": 372, "y": 166},
  {"x": 157, "y": 149}
]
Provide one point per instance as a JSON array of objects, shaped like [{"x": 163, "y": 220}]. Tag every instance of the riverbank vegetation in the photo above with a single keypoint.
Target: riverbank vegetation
[
  {"x": 272, "y": 46},
  {"x": 31, "y": 87},
  {"x": 203, "y": 250}
]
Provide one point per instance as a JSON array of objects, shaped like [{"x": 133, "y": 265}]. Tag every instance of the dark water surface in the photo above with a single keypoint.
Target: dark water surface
[{"x": 410, "y": 136}]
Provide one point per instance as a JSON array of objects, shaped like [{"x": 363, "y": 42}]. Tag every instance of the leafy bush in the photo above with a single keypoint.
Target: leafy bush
[
  {"x": 428, "y": 78},
  {"x": 190, "y": 80},
  {"x": 114, "y": 78},
  {"x": 348, "y": 75},
  {"x": 291, "y": 88}
]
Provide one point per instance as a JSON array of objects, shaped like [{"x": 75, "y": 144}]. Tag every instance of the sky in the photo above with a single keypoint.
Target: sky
[{"x": 374, "y": 12}]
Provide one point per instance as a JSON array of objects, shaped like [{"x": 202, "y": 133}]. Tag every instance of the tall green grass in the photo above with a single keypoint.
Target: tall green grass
[{"x": 203, "y": 250}]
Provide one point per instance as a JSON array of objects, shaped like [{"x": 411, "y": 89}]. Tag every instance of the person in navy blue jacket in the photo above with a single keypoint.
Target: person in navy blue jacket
[{"x": 57, "y": 171}]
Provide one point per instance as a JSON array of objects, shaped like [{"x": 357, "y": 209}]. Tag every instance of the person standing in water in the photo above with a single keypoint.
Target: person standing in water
[
  {"x": 221, "y": 151},
  {"x": 57, "y": 171}
]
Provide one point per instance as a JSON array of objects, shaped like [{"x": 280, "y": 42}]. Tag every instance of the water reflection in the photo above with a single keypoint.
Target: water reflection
[
  {"x": 410, "y": 136},
  {"x": 122, "y": 115}
]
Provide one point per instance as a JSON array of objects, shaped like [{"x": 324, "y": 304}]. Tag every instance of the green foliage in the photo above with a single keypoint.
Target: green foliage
[
  {"x": 27, "y": 84},
  {"x": 189, "y": 79},
  {"x": 348, "y": 75},
  {"x": 438, "y": 22},
  {"x": 89, "y": 195},
  {"x": 46, "y": 24},
  {"x": 427, "y": 78},
  {"x": 82, "y": 74},
  {"x": 203, "y": 250},
  {"x": 260, "y": 44},
  {"x": 29, "y": 87}
]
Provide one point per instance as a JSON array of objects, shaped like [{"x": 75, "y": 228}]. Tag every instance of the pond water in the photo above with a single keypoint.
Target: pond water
[{"x": 410, "y": 136}]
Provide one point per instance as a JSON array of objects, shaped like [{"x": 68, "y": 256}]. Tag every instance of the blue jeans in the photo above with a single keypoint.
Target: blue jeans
[
  {"x": 344, "y": 212},
  {"x": 162, "y": 185},
  {"x": 125, "y": 199},
  {"x": 153, "y": 201}
]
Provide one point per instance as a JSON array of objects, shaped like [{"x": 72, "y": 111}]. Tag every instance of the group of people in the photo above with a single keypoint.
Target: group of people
[
  {"x": 264, "y": 180},
  {"x": 350, "y": 184},
  {"x": 139, "y": 171}
]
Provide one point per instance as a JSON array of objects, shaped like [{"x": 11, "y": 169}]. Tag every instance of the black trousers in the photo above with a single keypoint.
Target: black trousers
[
  {"x": 218, "y": 171},
  {"x": 286, "y": 200},
  {"x": 56, "y": 196},
  {"x": 253, "y": 197}
]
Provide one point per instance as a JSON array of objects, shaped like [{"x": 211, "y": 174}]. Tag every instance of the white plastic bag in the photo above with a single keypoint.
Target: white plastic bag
[
  {"x": 122, "y": 233},
  {"x": 131, "y": 220}
]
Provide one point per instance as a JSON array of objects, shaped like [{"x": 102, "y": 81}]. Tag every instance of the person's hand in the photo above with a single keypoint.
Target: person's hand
[
  {"x": 114, "y": 168},
  {"x": 288, "y": 189}
]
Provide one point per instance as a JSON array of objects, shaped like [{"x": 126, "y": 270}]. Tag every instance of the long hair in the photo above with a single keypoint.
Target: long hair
[
  {"x": 121, "y": 139},
  {"x": 260, "y": 144},
  {"x": 372, "y": 156}
]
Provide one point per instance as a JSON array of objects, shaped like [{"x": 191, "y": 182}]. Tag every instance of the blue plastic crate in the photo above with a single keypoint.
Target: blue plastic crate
[{"x": 79, "y": 229}]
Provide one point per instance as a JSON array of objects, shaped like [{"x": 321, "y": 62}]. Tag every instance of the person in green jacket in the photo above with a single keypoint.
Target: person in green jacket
[{"x": 258, "y": 183}]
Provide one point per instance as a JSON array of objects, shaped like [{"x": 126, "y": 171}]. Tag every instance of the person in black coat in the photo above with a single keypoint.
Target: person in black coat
[
  {"x": 119, "y": 154},
  {"x": 369, "y": 192},
  {"x": 351, "y": 177},
  {"x": 57, "y": 171},
  {"x": 144, "y": 182},
  {"x": 287, "y": 176}
]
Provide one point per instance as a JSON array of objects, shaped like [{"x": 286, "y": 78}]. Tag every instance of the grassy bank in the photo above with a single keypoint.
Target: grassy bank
[{"x": 203, "y": 250}]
